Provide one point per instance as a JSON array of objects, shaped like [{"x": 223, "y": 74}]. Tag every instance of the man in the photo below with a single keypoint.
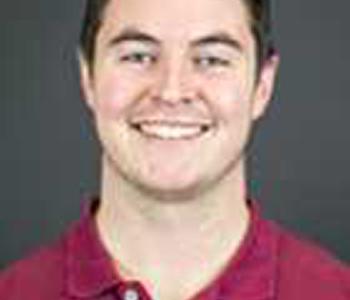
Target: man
[{"x": 174, "y": 88}]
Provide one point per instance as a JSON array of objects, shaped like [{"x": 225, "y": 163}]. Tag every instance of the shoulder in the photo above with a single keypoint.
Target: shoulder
[
  {"x": 38, "y": 276},
  {"x": 307, "y": 270}
]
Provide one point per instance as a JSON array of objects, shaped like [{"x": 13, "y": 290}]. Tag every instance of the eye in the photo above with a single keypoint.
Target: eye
[
  {"x": 208, "y": 61},
  {"x": 138, "y": 58}
]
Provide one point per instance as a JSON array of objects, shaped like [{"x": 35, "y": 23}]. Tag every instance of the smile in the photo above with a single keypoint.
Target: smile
[{"x": 171, "y": 131}]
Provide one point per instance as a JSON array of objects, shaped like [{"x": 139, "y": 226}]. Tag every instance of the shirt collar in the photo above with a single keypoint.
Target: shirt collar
[
  {"x": 89, "y": 268},
  {"x": 250, "y": 275}
]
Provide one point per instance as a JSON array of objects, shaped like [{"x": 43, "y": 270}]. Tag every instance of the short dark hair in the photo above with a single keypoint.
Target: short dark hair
[{"x": 260, "y": 25}]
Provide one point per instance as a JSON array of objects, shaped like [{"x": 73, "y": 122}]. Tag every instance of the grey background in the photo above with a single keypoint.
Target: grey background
[{"x": 49, "y": 158}]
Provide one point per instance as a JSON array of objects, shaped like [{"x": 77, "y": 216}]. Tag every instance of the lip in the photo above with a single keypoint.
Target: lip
[{"x": 171, "y": 122}]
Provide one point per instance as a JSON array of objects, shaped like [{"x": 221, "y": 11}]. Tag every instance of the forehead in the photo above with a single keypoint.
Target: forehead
[{"x": 177, "y": 19}]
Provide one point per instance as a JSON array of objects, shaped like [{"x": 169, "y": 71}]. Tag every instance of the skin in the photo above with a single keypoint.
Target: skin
[{"x": 184, "y": 199}]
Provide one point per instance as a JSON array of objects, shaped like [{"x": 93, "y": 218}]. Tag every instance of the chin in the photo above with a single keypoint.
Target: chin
[{"x": 171, "y": 190}]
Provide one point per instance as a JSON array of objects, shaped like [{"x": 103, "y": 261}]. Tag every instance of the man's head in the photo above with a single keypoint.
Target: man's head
[
  {"x": 174, "y": 92},
  {"x": 260, "y": 23}
]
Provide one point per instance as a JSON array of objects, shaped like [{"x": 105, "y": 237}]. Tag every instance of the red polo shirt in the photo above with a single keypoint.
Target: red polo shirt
[{"x": 270, "y": 264}]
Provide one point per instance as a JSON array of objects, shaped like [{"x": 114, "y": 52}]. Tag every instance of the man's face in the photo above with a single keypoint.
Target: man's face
[{"x": 173, "y": 91}]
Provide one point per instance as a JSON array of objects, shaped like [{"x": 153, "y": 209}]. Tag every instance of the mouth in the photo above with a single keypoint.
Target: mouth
[{"x": 165, "y": 130}]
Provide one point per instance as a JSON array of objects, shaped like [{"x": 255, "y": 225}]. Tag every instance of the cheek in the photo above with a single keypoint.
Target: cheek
[
  {"x": 114, "y": 94},
  {"x": 230, "y": 96}
]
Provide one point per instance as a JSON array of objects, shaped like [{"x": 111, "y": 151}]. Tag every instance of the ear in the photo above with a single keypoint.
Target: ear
[
  {"x": 86, "y": 82},
  {"x": 265, "y": 86}
]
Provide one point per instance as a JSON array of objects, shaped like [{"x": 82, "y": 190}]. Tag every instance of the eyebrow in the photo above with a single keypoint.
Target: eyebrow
[
  {"x": 222, "y": 38},
  {"x": 133, "y": 35},
  {"x": 136, "y": 35}
]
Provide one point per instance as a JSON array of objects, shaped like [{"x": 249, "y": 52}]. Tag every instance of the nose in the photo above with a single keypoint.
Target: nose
[{"x": 174, "y": 83}]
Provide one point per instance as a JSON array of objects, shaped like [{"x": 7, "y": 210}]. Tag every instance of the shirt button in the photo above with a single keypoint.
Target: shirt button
[{"x": 131, "y": 294}]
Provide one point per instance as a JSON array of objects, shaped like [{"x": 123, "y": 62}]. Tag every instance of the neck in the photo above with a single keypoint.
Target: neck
[{"x": 156, "y": 240}]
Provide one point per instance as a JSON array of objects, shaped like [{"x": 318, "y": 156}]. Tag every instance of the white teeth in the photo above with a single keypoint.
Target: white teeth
[{"x": 171, "y": 131}]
